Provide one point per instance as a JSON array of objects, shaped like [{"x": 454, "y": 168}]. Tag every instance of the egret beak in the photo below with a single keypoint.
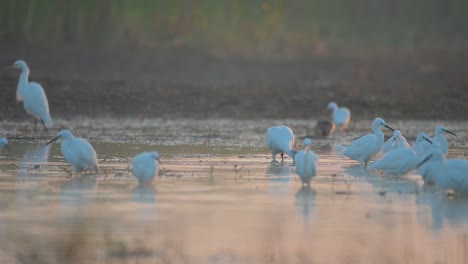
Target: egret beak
[
  {"x": 387, "y": 126},
  {"x": 428, "y": 140},
  {"x": 394, "y": 140},
  {"x": 424, "y": 161},
  {"x": 13, "y": 66},
  {"x": 450, "y": 132},
  {"x": 52, "y": 140}
]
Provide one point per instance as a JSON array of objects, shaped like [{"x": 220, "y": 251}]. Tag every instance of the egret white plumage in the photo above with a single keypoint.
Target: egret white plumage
[
  {"x": 399, "y": 161},
  {"x": 439, "y": 137},
  {"x": 280, "y": 139},
  {"x": 341, "y": 116},
  {"x": 417, "y": 145},
  {"x": 33, "y": 96},
  {"x": 306, "y": 163},
  {"x": 367, "y": 146},
  {"x": 145, "y": 166},
  {"x": 449, "y": 175},
  {"x": 395, "y": 142},
  {"x": 77, "y": 151},
  {"x": 4, "y": 143},
  {"x": 428, "y": 169}
]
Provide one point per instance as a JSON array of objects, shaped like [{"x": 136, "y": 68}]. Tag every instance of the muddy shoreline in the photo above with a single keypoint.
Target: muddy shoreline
[{"x": 184, "y": 83}]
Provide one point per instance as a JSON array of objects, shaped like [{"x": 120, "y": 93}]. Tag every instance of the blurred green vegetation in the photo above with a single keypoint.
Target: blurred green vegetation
[{"x": 239, "y": 26}]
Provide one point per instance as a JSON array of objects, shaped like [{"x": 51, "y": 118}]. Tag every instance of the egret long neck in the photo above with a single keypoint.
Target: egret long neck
[
  {"x": 23, "y": 81},
  {"x": 439, "y": 172},
  {"x": 442, "y": 140},
  {"x": 380, "y": 136}
]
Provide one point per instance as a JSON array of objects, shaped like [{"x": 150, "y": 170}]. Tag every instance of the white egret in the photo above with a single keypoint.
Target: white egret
[
  {"x": 341, "y": 116},
  {"x": 77, "y": 151},
  {"x": 399, "y": 161},
  {"x": 448, "y": 175},
  {"x": 367, "y": 146},
  {"x": 33, "y": 96},
  {"x": 417, "y": 145},
  {"x": 4, "y": 143},
  {"x": 306, "y": 163},
  {"x": 280, "y": 139},
  {"x": 395, "y": 142},
  {"x": 145, "y": 166},
  {"x": 439, "y": 137}
]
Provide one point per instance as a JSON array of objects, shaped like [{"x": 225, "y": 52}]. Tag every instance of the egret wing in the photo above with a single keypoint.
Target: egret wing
[{"x": 359, "y": 144}]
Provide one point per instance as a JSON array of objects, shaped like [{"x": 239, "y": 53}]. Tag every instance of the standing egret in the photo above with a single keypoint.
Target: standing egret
[
  {"x": 145, "y": 166},
  {"x": 399, "y": 161},
  {"x": 452, "y": 174},
  {"x": 77, "y": 151},
  {"x": 439, "y": 137},
  {"x": 280, "y": 139},
  {"x": 33, "y": 96},
  {"x": 417, "y": 147},
  {"x": 4, "y": 143},
  {"x": 395, "y": 142},
  {"x": 341, "y": 116},
  {"x": 306, "y": 163},
  {"x": 367, "y": 146}
]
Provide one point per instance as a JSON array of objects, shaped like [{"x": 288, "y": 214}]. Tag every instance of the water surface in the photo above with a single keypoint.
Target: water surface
[{"x": 219, "y": 199}]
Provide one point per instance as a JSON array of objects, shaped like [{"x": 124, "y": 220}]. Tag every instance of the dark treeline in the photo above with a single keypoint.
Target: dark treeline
[{"x": 239, "y": 27}]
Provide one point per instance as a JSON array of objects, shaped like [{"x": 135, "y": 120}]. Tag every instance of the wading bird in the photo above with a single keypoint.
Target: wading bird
[
  {"x": 367, "y": 146},
  {"x": 33, "y": 96},
  {"x": 439, "y": 137},
  {"x": 77, "y": 151},
  {"x": 306, "y": 163},
  {"x": 341, "y": 116},
  {"x": 399, "y": 161},
  {"x": 395, "y": 142},
  {"x": 448, "y": 175},
  {"x": 280, "y": 139},
  {"x": 145, "y": 166}
]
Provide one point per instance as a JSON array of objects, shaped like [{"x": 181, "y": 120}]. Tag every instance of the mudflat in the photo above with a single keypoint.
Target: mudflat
[{"x": 188, "y": 83}]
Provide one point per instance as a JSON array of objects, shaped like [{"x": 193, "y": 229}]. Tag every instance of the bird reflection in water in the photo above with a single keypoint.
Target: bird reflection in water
[
  {"x": 144, "y": 193},
  {"x": 445, "y": 210},
  {"x": 305, "y": 202},
  {"x": 32, "y": 162}
]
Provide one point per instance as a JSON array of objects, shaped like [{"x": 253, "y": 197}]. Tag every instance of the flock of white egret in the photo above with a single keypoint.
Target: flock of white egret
[{"x": 427, "y": 155}]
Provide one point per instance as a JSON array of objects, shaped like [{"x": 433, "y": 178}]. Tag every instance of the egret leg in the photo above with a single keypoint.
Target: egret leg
[
  {"x": 43, "y": 124},
  {"x": 282, "y": 157},
  {"x": 35, "y": 124},
  {"x": 273, "y": 157}
]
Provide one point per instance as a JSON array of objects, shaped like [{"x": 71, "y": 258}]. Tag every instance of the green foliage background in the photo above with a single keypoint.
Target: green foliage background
[{"x": 240, "y": 26}]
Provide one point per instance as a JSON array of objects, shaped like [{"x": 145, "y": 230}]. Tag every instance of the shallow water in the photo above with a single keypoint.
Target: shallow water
[{"x": 219, "y": 199}]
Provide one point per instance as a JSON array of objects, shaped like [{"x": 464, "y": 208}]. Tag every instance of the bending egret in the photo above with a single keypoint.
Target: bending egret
[
  {"x": 341, "y": 116},
  {"x": 439, "y": 137},
  {"x": 145, "y": 166},
  {"x": 367, "y": 146},
  {"x": 395, "y": 142},
  {"x": 399, "y": 161},
  {"x": 452, "y": 174},
  {"x": 33, "y": 96},
  {"x": 306, "y": 163},
  {"x": 77, "y": 151},
  {"x": 4, "y": 143},
  {"x": 427, "y": 169},
  {"x": 280, "y": 139}
]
